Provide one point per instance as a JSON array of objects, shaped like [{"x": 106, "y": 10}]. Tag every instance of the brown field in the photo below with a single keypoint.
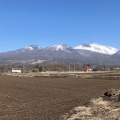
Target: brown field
[{"x": 38, "y": 98}]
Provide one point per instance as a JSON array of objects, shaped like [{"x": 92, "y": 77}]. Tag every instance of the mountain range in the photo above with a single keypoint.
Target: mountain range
[{"x": 82, "y": 54}]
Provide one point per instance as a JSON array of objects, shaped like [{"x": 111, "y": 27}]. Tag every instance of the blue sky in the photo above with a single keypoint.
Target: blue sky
[{"x": 51, "y": 22}]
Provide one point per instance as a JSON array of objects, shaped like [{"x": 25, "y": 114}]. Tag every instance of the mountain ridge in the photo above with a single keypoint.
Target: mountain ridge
[
  {"x": 90, "y": 47},
  {"x": 97, "y": 48},
  {"x": 62, "y": 53}
]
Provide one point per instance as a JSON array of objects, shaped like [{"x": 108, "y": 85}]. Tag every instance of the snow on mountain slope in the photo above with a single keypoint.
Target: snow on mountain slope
[
  {"x": 62, "y": 48},
  {"x": 28, "y": 48},
  {"x": 118, "y": 52},
  {"x": 59, "y": 47},
  {"x": 32, "y": 47},
  {"x": 97, "y": 48}
]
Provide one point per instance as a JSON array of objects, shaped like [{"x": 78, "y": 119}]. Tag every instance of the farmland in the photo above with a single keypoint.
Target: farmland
[{"x": 48, "y": 98}]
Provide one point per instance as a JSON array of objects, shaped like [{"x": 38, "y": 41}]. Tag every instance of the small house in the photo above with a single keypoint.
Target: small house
[
  {"x": 87, "y": 68},
  {"x": 16, "y": 70}
]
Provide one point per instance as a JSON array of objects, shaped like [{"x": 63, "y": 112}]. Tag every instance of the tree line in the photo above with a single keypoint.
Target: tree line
[{"x": 54, "y": 67}]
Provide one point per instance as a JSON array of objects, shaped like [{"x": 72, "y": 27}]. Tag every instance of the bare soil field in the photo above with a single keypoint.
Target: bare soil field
[{"x": 38, "y": 98}]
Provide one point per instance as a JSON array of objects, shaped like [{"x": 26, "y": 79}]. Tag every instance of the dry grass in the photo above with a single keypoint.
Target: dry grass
[
  {"x": 98, "y": 109},
  {"x": 76, "y": 74}
]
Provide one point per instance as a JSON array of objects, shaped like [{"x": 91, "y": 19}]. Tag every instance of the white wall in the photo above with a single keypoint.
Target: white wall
[{"x": 16, "y": 71}]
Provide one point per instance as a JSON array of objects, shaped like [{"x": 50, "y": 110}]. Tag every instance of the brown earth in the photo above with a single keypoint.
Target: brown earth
[{"x": 36, "y": 98}]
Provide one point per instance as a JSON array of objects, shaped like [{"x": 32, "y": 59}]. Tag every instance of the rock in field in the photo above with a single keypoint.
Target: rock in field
[{"x": 111, "y": 94}]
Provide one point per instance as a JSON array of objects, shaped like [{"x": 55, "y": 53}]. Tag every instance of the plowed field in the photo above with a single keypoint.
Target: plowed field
[{"x": 37, "y": 98}]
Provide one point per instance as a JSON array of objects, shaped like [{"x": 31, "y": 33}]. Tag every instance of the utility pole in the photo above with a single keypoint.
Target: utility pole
[
  {"x": 69, "y": 68},
  {"x": 74, "y": 66}
]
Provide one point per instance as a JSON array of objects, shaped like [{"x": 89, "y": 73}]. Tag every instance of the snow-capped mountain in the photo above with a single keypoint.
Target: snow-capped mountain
[
  {"x": 32, "y": 47},
  {"x": 93, "y": 53},
  {"x": 97, "y": 48},
  {"x": 61, "y": 47},
  {"x": 29, "y": 48}
]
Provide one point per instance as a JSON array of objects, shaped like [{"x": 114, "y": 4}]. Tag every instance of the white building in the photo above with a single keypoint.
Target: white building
[{"x": 16, "y": 70}]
